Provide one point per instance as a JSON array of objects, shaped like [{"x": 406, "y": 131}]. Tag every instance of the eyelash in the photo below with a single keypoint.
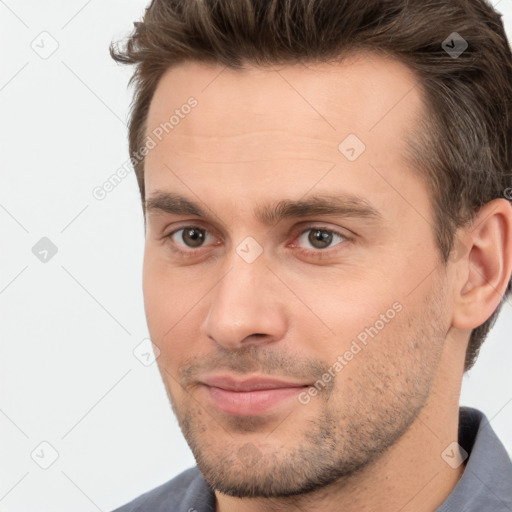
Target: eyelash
[{"x": 319, "y": 253}]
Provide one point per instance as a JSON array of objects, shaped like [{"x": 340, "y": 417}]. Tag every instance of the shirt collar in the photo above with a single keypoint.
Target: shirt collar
[{"x": 486, "y": 484}]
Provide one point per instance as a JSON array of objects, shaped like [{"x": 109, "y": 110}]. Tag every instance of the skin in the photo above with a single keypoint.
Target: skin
[{"x": 373, "y": 438}]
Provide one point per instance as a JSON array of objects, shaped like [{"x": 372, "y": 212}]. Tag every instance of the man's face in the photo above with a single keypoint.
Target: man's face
[{"x": 297, "y": 342}]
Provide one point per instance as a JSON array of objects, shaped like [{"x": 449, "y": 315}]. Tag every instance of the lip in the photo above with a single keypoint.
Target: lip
[
  {"x": 251, "y": 396},
  {"x": 255, "y": 383}
]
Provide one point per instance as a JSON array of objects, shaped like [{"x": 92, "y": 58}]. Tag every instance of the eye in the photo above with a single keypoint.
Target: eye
[
  {"x": 189, "y": 236},
  {"x": 320, "y": 238},
  {"x": 188, "y": 241}
]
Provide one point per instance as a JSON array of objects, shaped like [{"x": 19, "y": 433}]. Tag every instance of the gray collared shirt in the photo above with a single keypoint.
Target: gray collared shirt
[{"x": 485, "y": 485}]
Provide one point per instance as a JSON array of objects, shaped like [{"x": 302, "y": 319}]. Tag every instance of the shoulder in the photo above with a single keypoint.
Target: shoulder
[{"x": 187, "y": 492}]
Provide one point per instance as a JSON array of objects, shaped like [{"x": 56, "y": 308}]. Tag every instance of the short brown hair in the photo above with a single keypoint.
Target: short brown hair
[{"x": 464, "y": 147}]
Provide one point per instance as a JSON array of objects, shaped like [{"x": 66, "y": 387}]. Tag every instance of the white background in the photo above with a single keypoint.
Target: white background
[{"x": 68, "y": 375}]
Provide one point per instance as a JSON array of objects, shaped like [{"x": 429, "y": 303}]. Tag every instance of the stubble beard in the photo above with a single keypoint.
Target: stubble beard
[{"x": 352, "y": 429}]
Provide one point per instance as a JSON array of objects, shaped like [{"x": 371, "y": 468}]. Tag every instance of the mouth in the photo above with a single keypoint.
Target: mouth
[{"x": 252, "y": 396}]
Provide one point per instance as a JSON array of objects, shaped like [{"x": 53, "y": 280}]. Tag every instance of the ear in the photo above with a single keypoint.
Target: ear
[{"x": 485, "y": 266}]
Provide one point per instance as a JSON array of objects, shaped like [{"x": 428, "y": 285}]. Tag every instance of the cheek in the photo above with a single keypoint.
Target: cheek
[
  {"x": 161, "y": 284},
  {"x": 173, "y": 308},
  {"x": 336, "y": 312},
  {"x": 392, "y": 365},
  {"x": 157, "y": 300},
  {"x": 166, "y": 301}
]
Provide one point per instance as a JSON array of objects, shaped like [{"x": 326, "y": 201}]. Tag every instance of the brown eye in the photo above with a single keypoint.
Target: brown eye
[
  {"x": 319, "y": 238},
  {"x": 192, "y": 237}
]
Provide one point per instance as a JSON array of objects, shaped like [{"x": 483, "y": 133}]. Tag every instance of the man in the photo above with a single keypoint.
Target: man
[{"x": 328, "y": 241}]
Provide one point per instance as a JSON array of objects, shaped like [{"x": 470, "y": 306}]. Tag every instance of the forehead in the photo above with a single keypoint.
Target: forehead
[
  {"x": 360, "y": 92},
  {"x": 266, "y": 128}
]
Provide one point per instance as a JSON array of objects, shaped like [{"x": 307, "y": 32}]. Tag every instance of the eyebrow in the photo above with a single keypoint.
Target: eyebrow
[{"x": 342, "y": 204}]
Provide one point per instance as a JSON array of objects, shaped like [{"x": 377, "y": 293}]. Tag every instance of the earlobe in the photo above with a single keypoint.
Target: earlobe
[{"x": 486, "y": 265}]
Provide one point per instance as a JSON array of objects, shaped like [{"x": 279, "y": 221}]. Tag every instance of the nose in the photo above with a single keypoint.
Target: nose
[{"x": 246, "y": 306}]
